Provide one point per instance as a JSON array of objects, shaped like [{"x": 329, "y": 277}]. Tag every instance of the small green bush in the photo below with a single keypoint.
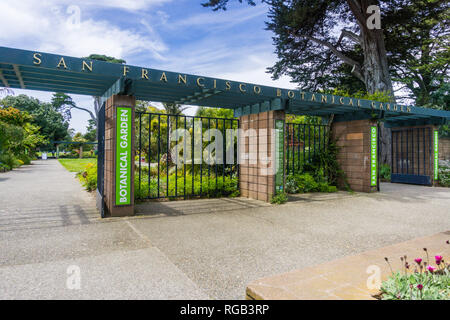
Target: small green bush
[
  {"x": 279, "y": 198},
  {"x": 9, "y": 161},
  {"x": 385, "y": 172},
  {"x": 25, "y": 159},
  {"x": 291, "y": 184},
  {"x": 303, "y": 183},
  {"x": 89, "y": 177},
  {"x": 306, "y": 183},
  {"x": 332, "y": 189},
  {"x": 444, "y": 174}
]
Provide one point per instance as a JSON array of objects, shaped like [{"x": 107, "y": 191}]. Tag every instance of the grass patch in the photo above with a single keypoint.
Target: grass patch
[{"x": 77, "y": 165}]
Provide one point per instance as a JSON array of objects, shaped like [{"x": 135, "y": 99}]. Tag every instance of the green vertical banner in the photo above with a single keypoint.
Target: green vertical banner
[
  {"x": 123, "y": 156},
  {"x": 373, "y": 156},
  {"x": 279, "y": 155},
  {"x": 436, "y": 155}
]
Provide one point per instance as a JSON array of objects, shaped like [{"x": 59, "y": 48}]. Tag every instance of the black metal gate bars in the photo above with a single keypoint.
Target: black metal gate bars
[
  {"x": 171, "y": 154},
  {"x": 303, "y": 141},
  {"x": 412, "y": 156},
  {"x": 101, "y": 160}
]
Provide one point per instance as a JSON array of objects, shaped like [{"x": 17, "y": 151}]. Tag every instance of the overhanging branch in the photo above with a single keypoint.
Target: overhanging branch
[{"x": 355, "y": 65}]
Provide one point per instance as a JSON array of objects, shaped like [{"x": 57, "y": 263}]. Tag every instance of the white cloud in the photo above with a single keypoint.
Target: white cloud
[
  {"x": 221, "y": 19},
  {"x": 219, "y": 52},
  {"x": 49, "y": 28}
]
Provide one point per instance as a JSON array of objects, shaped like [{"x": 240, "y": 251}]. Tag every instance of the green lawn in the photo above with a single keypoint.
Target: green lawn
[{"x": 76, "y": 165}]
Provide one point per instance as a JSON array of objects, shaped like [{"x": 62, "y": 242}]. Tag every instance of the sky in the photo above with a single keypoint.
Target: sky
[{"x": 175, "y": 35}]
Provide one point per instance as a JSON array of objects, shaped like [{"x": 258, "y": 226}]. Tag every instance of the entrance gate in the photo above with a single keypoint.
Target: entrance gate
[
  {"x": 256, "y": 106},
  {"x": 303, "y": 143},
  {"x": 412, "y": 154}
]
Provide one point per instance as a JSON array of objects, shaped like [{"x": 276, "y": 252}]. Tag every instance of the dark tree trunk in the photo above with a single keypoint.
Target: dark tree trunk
[{"x": 377, "y": 79}]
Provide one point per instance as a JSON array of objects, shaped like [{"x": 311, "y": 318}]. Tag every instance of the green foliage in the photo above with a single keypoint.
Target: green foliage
[
  {"x": 89, "y": 177},
  {"x": 102, "y": 57},
  {"x": 51, "y": 123},
  {"x": 317, "y": 56},
  {"x": 91, "y": 131},
  {"x": 325, "y": 167},
  {"x": 417, "y": 38},
  {"x": 77, "y": 165},
  {"x": 381, "y": 96},
  {"x": 18, "y": 138},
  {"x": 303, "y": 183},
  {"x": 8, "y": 161},
  {"x": 385, "y": 172},
  {"x": 418, "y": 285},
  {"x": 444, "y": 174},
  {"x": 321, "y": 173},
  {"x": 279, "y": 198},
  {"x": 214, "y": 113},
  {"x": 227, "y": 187}
]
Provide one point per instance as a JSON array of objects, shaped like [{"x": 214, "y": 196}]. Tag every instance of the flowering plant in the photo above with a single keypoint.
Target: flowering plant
[{"x": 419, "y": 281}]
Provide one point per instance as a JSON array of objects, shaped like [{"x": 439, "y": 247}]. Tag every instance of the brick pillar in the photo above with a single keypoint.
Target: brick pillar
[
  {"x": 110, "y": 155},
  {"x": 353, "y": 139},
  {"x": 256, "y": 175},
  {"x": 444, "y": 148}
]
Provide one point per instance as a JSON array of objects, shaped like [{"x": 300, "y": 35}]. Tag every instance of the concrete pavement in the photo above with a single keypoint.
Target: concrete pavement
[
  {"x": 48, "y": 224},
  {"x": 208, "y": 248}
]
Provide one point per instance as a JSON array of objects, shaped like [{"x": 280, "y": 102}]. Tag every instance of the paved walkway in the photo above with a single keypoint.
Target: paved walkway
[
  {"x": 48, "y": 223},
  {"x": 189, "y": 249},
  {"x": 44, "y": 194},
  {"x": 357, "y": 277}
]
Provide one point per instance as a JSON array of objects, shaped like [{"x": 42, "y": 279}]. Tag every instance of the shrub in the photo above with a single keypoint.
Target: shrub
[
  {"x": 306, "y": 183},
  {"x": 385, "y": 172},
  {"x": 9, "y": 161},
  {"x": 302, "y": 183},
  {"x": 225, "y": 187},
  {"x": 444, "y": 173},
  {"x": 426, "y": 282},
  {"x": 291, "y": 184},
  {"x": 25, "y": 159},
  {"x": 332, "y": 189},
  {"x": 279, "y": 198},
  {"x": 89, "y": 177}
]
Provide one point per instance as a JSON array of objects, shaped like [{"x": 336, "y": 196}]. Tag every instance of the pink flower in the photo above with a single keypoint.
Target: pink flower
[
  {"x": 418, "y": 260},
  {"x": 419, "y": 286},
  {"x": 431, "y": 268},
  {"x": 438, "y": 259}
]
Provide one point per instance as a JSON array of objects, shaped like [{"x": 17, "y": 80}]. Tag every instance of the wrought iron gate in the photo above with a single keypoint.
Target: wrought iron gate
[
  {"x": 159, "y": 173},
  {"x": 303, "y": 142},
  {"x": 412, "y": 156},
  {"x": 101, "y": 160}
]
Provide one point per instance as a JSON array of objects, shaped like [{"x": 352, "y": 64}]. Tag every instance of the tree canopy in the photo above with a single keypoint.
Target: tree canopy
[
  {"x": 52, "y": 124},
  {"x": 323, "y": 44}
]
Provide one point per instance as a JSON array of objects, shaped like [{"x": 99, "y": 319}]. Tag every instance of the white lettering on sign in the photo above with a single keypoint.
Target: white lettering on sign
[{"x": 123, "y": 155}]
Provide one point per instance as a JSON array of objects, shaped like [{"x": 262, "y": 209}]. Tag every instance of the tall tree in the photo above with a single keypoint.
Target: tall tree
[
  {"x": 308, "y": 46},
  {"x": 418, "y": 46},
  {"x": 51, "y": 122},
  {"x": 313, "y": 48},
  {"x": 64, "y": 104}
]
